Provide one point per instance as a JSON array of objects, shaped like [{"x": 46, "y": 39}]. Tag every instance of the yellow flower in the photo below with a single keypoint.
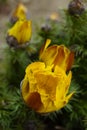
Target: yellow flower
[
  {"x": 19, "y": 12},
  {"x": 45, "y": 90},
  {"x": 21, "y": 31},
  {"x": 54, "y": 16},
  {"x": 56, "y": 55},
  {"x": 45, "y": 86}
]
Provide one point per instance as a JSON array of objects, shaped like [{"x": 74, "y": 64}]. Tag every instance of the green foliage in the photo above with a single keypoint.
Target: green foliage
[
  {"x": 15, "y": 62},
  {"x": 14, "y": 114},
  {"x": 55, "y": 33}
]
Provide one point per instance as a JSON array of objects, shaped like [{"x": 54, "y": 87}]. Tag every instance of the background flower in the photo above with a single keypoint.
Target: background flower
[{"x": 21, "y": 31}]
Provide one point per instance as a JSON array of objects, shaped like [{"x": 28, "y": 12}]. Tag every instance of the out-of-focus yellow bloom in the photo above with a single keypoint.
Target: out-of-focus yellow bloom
[
  {"x": 54, "y": 16},
  {"x": 22, "y": 31},
  {"x": 20, "y": 12},
  {"x": 45, "y": 85},
  {"x": 56, "y": 55}
]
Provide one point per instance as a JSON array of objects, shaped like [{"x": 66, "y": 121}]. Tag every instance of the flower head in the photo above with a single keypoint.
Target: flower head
[
  {"x": 21, "y": 31},
  {"x": 19, "y": 13},
  {"x": 45, "y": 85},
  {"x": 56, "y": 55}
]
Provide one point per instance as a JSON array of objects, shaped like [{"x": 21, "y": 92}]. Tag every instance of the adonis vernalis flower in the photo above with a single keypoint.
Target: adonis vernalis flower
[
  {"x": 21, "y": 31},
  {"x": 45, "y": 86}
]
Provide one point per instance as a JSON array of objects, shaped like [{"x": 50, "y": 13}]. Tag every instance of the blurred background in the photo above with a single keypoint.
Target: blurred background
[{"x": 37, "y": 9}]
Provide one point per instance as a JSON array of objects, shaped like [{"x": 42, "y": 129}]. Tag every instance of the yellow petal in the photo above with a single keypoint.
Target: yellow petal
[
  {"x": 62, "y": 83},
  {"x": 62, "y": 102},
  {"x": 20, "y": 12},
  {"x": 60, "y": 56},
  {"x": 48, "y": 41},
  {"x": 35, "y": 66},
  {"x": 32, "y": 99},
  {"x": 21, "y": 31},
  {"x": 30, "y": 72},
  {"x": 47, "y": 83},
  {"x": 48, "y": 56},
  {"x": 48, "y": 106},
  {"x": 64, "y": 58}
]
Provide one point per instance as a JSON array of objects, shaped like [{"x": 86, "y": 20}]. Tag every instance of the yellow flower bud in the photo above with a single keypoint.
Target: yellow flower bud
[{"x": 21, "y": 31}]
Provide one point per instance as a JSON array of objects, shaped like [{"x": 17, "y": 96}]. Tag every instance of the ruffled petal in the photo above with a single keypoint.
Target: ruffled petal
[
  {"x": 57, "y": 55},
  {"x": 48, "y": 56}
]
